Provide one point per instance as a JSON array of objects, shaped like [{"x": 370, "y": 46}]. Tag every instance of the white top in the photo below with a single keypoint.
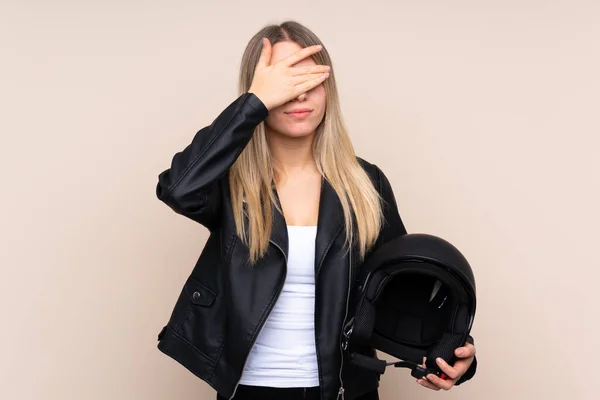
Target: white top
[{"x": 284, "y": 354}]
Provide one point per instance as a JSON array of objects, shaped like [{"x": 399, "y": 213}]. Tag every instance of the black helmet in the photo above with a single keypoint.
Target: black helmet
[{"x": 415, "y": 299}]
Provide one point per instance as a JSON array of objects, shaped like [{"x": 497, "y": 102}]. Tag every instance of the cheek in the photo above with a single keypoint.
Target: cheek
[
  {"x": 320, "y": 96},
  {"x": 275, "y": 119}
]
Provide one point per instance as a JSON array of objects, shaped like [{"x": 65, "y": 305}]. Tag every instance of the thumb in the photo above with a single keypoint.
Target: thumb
[{"x": 265, "y": 55}]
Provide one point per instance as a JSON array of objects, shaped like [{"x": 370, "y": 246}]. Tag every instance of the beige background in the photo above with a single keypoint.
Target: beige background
[{"x": 484, "y": 115}]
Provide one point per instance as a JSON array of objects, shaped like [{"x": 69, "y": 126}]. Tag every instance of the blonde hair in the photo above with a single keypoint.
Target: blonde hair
[{"x": 252, "y": 175}]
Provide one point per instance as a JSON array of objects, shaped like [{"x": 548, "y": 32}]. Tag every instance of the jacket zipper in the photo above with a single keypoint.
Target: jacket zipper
[
  {"x": 265, "y": 320},
  {"x": 341, "y": 391}
]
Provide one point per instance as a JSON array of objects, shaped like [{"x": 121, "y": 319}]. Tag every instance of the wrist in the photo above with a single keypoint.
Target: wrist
[{"x": 261, "y": 98}]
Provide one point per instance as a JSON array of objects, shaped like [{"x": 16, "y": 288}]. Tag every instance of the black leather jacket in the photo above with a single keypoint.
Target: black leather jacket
[{"x": 225, "y": 302}]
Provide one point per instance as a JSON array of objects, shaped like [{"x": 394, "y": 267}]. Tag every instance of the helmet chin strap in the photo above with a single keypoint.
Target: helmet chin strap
[
  {"x": 375, "y": 364},
  {"x": 417, "y": 371}
]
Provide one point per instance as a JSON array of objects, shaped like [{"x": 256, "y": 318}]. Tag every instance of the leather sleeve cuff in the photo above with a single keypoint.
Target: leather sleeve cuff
[
  {"x": 471, "y": 340},
  {"x": 469, "y": 374},
  {"x": 257, "y": 104}
]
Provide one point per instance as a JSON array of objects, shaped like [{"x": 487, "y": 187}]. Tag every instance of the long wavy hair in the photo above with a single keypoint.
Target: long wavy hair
[{"x": 251, "y": 177}]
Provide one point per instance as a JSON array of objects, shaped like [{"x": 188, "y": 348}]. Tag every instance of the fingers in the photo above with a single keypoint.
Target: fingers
[
  {"x": 440, "y": 383},
  {"x": 424, "y": 382},
  {"x": 313, "y": 69},
  {"x": 461, "y": 367},
  {"x": 427, "y": 384},
  {"x": 436, "y": 383},
  {"x": 297, "y": 80},
  {"x": 265, "y": 54},
  {"x": 452, "y": 372},
  {"x": 465, "y": 352},
  {"x": 301, "y": 55},
  {"x": 310, "y": 84}
]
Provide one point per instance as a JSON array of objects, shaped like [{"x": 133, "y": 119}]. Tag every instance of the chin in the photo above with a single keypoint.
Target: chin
[{"x": 296, "y": 131}]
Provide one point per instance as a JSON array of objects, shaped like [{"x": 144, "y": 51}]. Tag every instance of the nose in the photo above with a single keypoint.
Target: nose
[{"x": 302, "y": 97}]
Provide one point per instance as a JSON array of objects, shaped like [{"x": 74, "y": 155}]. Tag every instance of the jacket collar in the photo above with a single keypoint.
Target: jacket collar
[{"x": 330, "y": 223}]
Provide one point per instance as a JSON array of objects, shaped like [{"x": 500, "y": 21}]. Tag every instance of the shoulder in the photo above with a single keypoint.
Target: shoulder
[
  {"x": 393, "y": 226},
  {"x": 374, "y": 172}
]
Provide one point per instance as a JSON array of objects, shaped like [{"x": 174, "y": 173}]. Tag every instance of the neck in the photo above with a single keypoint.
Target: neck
[{"x": 292, "y": 155}]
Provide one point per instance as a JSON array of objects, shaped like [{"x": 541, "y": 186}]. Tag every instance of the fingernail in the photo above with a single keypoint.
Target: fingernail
[
  {"x": 439, "y": 360},
  {"x": 459, "y": 352}
]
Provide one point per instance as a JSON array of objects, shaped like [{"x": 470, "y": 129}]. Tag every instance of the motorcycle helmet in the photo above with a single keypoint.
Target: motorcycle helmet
[{"x": 415, "y": 298}]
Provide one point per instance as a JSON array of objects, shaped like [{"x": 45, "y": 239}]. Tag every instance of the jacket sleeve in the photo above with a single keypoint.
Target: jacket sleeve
[
  {"x": 191, "y": 185},
  {"x": 472, "y": 369}
]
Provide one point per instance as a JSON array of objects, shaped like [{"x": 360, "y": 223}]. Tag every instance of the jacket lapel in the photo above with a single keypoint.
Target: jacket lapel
[
  {"x": 279, "y": 235},
  {"x": 330, "y": 224}
]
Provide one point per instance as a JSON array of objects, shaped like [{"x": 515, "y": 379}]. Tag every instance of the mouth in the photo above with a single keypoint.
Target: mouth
[{"x": 299, "y": 112}]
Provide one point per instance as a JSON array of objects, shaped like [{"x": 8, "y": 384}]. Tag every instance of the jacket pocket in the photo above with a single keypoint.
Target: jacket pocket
[{"x": 201, "y": 324}]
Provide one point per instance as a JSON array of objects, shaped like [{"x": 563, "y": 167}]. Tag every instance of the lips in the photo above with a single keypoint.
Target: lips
[{"x": 299, "y": 111}]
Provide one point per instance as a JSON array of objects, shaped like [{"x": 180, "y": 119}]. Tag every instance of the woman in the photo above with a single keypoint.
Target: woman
[{"x": 292, "y": 212}]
